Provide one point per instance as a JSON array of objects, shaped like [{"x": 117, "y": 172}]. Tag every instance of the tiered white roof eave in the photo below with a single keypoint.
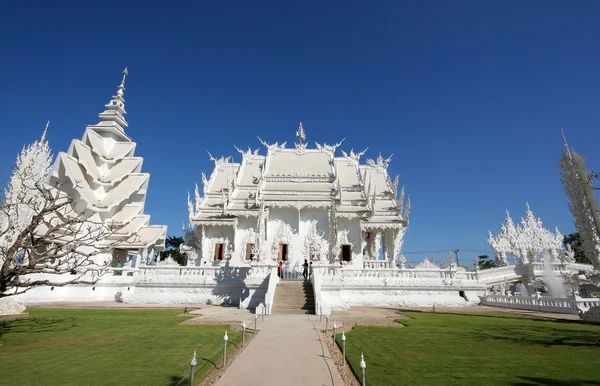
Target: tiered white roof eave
[{"x": 302, "y": 178}]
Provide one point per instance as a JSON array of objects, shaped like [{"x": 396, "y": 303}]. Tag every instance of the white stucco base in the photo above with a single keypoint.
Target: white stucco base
[
  {"x": 345, "y": 298},
  {"x": 231, "y": 295}
]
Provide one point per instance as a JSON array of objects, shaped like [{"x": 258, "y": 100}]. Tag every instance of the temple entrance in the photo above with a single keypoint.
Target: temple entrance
[
  {"x": 219, "y": 252},
  {"x": 283, "y": 252},
  {"x": 249, "y": 254},
  {"x": 346, "y": 252}
]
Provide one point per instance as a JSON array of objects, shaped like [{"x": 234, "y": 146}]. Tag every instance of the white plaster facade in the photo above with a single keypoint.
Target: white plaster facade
[{"x": 297, "y": 203}]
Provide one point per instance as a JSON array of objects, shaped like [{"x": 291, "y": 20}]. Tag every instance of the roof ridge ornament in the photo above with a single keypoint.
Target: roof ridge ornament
[
  {"x": 247, "y": 153},
  {"x": 329, "y": 148},
  {"x": 222, "y": 160},
  {"x": 275, "y": 146},
  {"x": 300, "y": 134},
  {"x": 354, "y": 156},
  {"x": 380, "y": 163}
]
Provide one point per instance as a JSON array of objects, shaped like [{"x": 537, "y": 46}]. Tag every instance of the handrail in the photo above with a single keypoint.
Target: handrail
[
  {"x": 542, "y": 303},
  {"x": 315, "y": 280},
  {"x": 273, "y": 281}
]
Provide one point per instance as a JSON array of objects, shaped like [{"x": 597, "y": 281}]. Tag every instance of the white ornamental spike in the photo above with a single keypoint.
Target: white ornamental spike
[{"x": 122, "y": 85}]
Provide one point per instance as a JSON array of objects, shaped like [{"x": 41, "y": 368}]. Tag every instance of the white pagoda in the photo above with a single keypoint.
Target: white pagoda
[
  {"x": 105, "y": 177},
  {"x": 298, "y": 203}
]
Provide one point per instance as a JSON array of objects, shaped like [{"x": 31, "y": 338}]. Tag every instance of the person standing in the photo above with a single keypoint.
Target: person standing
[
  {"x": 305, "y": 270},
  {"x": 280, "y": 269}
]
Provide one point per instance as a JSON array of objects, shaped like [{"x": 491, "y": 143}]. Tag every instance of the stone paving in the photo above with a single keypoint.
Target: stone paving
[{"x": 287, "y": 350}]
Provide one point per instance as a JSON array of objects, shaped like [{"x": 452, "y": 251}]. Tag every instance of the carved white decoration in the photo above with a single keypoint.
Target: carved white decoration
[
  {"x": 427, "y": 263},
  {"x": 300, "y": 148},
  {"x": 579, "y": 189},
  {"x": 275, "y": 146},
  {"x": 168, "y": 262},
  {"x": 283, "y": 235},
  {"x": 569, "y": 255},
  {"x": 247, "y": 153},
  {"x": 525, "y": 240},
  {"x": 300, "y": 134},
  {"x": 380, "y": 163},
  {"x": 329, "y": 148},
  {"x": 314, "y": 243},
  {"x": 354, "y": 156},
  {"x": 22, "y": 199},
  {"x": 220, "y": 161}
]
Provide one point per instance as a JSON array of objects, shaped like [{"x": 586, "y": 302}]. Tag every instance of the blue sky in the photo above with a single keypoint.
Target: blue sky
[{"x": 468, "y": 95}]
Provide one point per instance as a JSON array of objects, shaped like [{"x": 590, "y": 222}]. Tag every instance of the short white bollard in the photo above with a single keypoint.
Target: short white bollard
[
  {"x": 262, "y": 318},
  {"x": 344, "y": 348},
  {"x": 334, "y": 332},
  {"x": 193, "y": 364},
  {"x": 363, "y": 366},
  {"x": 243, "y": 333},
  {"x": 255, "y": 320},
  {"x": 326, "y": 322},
  {"x": 225, "y": 338}
]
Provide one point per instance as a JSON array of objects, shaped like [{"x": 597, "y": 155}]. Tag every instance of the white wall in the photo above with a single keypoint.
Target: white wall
[
  {"x": 216, "y": 235},
  {"x": 344, "y": 298}
]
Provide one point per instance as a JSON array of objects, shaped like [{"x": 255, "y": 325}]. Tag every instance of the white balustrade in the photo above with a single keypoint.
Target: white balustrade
[
  {"x": 542, "y": 303},
  {"x": 377, "y": 264}
]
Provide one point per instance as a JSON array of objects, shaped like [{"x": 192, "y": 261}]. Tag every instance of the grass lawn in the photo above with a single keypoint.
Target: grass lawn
[
  {"x": 478, "y": 349},
  {"x": 105, "y": 347}
]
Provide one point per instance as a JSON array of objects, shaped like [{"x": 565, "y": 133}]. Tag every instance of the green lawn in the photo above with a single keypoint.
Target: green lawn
[
  {"x": 478, "y": 349},
  {"x": 105, "y": 347}
]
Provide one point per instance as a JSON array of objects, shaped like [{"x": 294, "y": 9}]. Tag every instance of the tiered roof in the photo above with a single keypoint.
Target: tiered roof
[
  {"x": 101, "y": 171},
  {"x": 300, "y": 177}
]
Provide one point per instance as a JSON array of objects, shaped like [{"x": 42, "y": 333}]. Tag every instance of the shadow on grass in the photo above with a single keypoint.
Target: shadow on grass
[
  {"x": 531, "y": 381},
  {"x": 36, "y": 325},
  {"x": 538, "y": 336}
]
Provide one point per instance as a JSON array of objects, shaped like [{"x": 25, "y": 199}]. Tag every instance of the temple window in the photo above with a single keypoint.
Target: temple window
[
  {"x": 219, "y": 252},
  {"x": 346, "y": 252},
  {"x": 249, "y": 254},
  {"x": 283, "y": 252}
]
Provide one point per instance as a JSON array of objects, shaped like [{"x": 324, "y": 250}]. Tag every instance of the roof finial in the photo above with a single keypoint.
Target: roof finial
[
  {"x": 565, "y": 142},
  {"x": 122, "y": 85},
  {"x": 45, "y": 131},
  {"x": 300, "y": 134}
]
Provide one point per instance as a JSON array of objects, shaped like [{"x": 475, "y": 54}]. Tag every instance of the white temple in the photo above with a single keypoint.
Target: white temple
[
  {"x": 290, "y": 204},
  {"x": 298, "y": 203},
  {"x": 105, "y": 177}
]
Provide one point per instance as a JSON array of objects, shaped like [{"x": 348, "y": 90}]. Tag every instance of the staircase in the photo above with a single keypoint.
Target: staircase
[{"x": 294, "y": 297}]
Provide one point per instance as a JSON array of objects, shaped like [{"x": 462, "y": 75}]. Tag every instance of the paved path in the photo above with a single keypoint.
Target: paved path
[{"x": 287, "y": 351}]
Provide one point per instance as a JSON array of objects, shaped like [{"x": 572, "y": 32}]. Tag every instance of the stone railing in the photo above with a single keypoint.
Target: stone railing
[
  {"x": 157, "y": 270},
  {"x": 315, "y": 280},
  {"x": 335, "y": 276},
  {"x": 584, "y": 304},
  {"x": 273, "y": 280},
  {"x": 124, "y": 271},
  {"x": 377, "y": 264},
  {"x": 541, "y": 303},
  {"x": 499, "y": 274}
]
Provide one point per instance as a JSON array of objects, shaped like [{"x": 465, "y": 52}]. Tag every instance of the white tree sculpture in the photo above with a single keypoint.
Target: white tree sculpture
[
  {"x": 525, "y": 240},
  {"x": 579, "y": 189},
  {"x": 40, "y": 231},
  {"x": 22, "y": 198}
]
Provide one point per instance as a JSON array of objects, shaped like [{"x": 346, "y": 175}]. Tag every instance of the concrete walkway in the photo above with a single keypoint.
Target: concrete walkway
[{"x": 287, "y": 351}]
